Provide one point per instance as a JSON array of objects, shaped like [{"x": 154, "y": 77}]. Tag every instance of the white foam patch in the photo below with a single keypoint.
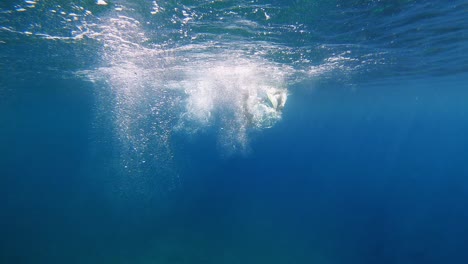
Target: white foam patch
[
  {"x": 234, "y": 88},
  {"x": 220, "y": 87},
  {"x": 231, "y": 92},
  {"x": 101, "y": 2}
]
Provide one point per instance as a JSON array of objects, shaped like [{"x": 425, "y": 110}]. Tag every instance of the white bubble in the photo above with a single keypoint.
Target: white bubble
[{"x": 101, "y": 2}]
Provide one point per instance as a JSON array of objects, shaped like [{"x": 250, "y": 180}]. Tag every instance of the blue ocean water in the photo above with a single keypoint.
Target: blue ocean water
[{"x": 233, "y": 131}]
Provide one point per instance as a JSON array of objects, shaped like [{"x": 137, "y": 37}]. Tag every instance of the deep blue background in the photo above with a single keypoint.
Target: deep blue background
[{"x": 362, "y": 174}]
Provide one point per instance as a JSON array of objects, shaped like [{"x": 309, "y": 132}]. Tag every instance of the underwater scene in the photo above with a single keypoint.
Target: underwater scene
[{"x": 234, "y": 131}]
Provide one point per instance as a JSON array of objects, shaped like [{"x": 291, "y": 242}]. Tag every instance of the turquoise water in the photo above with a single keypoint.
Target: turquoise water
[{"x": 233, "y": 131}]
